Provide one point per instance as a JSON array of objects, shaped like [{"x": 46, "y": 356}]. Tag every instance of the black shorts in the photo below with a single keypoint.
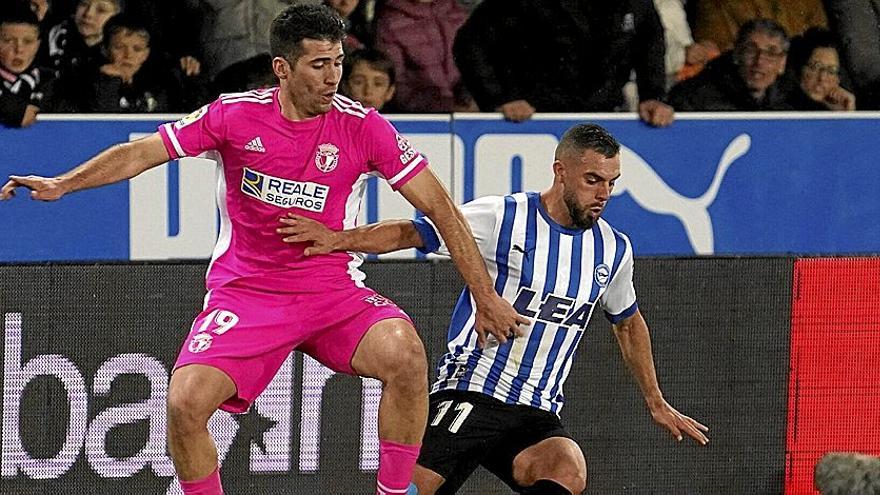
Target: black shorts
[{"x": 470, "y": 429}]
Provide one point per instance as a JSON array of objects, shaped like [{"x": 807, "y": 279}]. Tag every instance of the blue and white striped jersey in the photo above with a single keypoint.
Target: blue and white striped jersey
[{"x": 551, "y": 274}]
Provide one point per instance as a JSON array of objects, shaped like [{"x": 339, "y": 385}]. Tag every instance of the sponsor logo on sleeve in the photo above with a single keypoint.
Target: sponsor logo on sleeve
[
  {"x": 284, "y": 193},
  {"x": 189, "y": 119},
  {"x": 407, "y": 151}
]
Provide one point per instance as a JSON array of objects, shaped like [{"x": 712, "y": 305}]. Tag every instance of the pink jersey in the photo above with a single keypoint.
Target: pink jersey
[{"x": 316, "y": 168}]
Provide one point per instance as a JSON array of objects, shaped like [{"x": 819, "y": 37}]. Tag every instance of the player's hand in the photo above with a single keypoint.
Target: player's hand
[
  {"x": 517, "y": 110},
  {"x": 301, "y": 229},
  {"x": 656, "y": 113},
  {"x": 677, "y": 423},
  {"x": 496, "y": 317},
  {"x": 42, "y": 188}
]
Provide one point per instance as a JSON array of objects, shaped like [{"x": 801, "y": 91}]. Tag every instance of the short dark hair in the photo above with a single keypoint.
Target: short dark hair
[
  {"x": 803, "y": 46},
  {"x": 582, "y": 137},
  {"x": 125, "y": 22},
  {"x": 303, "y": 21},
  {"x": 18, "y": 13},
  {"x": 766, "y": 26},
  {"x": 847, "y": 473},
  {"x": 377, "y": 59}
]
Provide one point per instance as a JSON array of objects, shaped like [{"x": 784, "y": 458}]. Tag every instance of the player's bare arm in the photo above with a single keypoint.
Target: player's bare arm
[
  {"x": 635, "y": 345},
  {"x": 494, "y": 315},
  {"x": 117, "y": 163},
  {"x": 377, "y": 238}
]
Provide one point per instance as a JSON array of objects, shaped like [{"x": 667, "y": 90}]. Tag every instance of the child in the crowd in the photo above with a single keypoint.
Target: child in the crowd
[
  {"x": 25, "y": 89},
  {"x": 73, "y": 47},
  {"x": 369, "y": 78},
  {"x": 132, "y": 82}
]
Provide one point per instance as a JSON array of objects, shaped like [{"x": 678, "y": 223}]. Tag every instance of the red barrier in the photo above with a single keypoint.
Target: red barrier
[{"x": 834, "y": 386}]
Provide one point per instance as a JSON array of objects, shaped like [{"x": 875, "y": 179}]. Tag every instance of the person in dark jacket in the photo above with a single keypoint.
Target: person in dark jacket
[
  {"x": 814, "y": 66},
  {"x": 856, "y": 23},
  {"x": 132, "y": 82},
  {"x": 417, "y": 35},
  {"x": 25, "y": 89},
  {"x": 521, "y": 56},
  {"x": 73, "y": 47},
  {"x": 744, "y": 79}
]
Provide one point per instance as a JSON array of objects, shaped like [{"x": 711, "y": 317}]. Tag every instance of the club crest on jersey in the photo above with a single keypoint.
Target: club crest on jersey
[
  {"x": 327, "y": 157},
  {"x": 601, "y": 274}
]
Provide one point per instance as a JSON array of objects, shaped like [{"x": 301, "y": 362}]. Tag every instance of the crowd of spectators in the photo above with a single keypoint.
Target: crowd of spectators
[{"x": 516, "y": 57}]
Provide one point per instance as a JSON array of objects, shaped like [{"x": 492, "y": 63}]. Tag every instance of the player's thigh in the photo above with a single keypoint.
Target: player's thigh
[
  {"x": 245, "y": 333},
  {"x": 557, "y": 458},
  {"x": 359, "y": 327},
  {"x": 534, "y": 430}
]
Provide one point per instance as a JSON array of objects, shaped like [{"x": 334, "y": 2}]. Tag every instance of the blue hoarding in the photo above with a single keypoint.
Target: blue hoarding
[{"x": 709, "y": 184}]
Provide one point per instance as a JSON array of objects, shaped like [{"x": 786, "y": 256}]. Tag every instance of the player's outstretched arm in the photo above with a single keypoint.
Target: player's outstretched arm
[
  {"x": 494, "y": 315},
  {"x": 119, "y": 162},
  {"x": 635, "y": 345},
  {"x": 376, "y": 238}
]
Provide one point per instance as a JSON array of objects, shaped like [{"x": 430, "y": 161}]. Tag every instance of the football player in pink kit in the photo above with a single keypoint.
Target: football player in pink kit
[{"x": 299, "y": 147}]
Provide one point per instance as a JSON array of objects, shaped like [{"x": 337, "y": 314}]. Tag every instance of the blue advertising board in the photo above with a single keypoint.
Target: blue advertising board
[{"x": 717, "y": 184}]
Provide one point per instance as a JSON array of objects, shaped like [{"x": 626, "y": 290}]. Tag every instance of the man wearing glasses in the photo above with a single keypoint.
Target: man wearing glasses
[{"x": 744, "y": 79}]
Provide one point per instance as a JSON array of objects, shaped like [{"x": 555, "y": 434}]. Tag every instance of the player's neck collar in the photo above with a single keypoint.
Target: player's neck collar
[{"x": 535, "y": 200}]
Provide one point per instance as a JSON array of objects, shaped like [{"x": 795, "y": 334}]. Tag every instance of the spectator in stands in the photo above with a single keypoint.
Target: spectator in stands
[
  {"x": 519, "y": 57},
  {"x": 73, "y": 47},
  {"x": 174, "y": 31},
  {"x": 684, "y": 57},
  {"x": 362, "y": 22},
  {"x": 745, "y": 79},
  {"x": 814, "y": 64},
  {"x": 418, "y": 35},
  {"x": 856, "y": 23},
  {"x": 369, "y": 78},
  {"x": 25, "y": 89},
  {"x": 345, "y": 8},
  {"x": 41, "y": 8},
  {"x": 236, "y": 30},
  {"x": 127, "y": 83},
  {"x": 846, "y": 473},
  {"x": 721, "y": 20},
  {"x": 252, "y": 73}
]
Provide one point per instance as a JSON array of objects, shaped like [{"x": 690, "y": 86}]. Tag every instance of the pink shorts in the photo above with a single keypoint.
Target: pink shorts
[{"x": 248, "y": 333}]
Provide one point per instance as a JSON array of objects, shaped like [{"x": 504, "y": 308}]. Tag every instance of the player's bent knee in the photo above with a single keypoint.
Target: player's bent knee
[
  {"x": 404, "y": 353},
  {"x": 557, "y": 459},
  {"x": 193, "y": 396}
]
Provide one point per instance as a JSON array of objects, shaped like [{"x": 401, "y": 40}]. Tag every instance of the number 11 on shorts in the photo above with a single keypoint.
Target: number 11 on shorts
[{"x": 462, "y": 411}]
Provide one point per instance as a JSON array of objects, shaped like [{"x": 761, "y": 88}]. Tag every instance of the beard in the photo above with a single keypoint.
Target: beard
[{"x": 581, "y": 218}]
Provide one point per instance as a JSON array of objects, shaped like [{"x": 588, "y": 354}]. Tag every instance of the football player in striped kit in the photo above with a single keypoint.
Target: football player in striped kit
[{"x": 495, "y": 402}]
